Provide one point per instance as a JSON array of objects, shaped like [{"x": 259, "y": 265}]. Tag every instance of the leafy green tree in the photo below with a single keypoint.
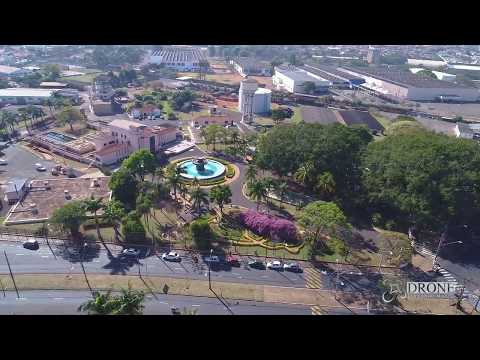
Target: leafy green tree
[
  {"x": 124, "y": 187},
  {"x": 425, "y": 179},
  {"x": 173, "y": 181},
  {"x": 113, "y": 212},
  {"x": 221, "y": 195},
  {"x": 278, "y": 115},
  {"x": 140, "y": 162},
  {"x": 212, "y": 133},
  {"x": 51, "y": 72},
  {"x": 282, "y": 189},
  {"x": 427, "y": 73},
  {"x": 305, "y": 173},
  {"x": 309, "y": 87},
  {"x": 101, "y": 304},
  {"x": 70, "y": 217},
  {"x": 144, "y": 206},
  {"x": 321, "y": 217},
  {"x": 69, "y": 115}
]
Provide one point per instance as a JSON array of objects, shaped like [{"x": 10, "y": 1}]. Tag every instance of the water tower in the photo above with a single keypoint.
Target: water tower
[{"x": 245, "y": 99}]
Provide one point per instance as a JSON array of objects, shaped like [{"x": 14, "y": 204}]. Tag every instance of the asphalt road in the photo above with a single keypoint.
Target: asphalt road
[
  {"x": 59, "y": 259},
  {"x": 63, "y": 302}
]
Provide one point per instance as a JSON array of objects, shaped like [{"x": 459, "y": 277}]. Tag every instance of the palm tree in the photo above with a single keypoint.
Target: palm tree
[
  {"x": 9, "y": 119},
  {"x": 234, "y": 137},
  {"x": 221, "y": 195},
  {"x": 257, "y": 191},
  {"x": 173, "y": 181},
  {"x": 92, "y": 205},
  {"x": 282, "y": 189},
  {"x": 251, "y": 173},
  {"x": 113, "y": 212},
  {"x": 22, "y": 113},
  {"x": 195, "y": 182},
  {"x": 325, "y": 184},
  {"x": 129, "y": 302},
  {"x": 101, "y": 304},
  {"x": 304, "y": 173},
  {"x": 198, "y": 197}
]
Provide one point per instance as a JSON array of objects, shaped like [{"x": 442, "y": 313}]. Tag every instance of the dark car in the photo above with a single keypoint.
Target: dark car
[
  {"x": 31, "y": 245},
  {"x": 233, "y": 260},
  {"x": 257, "y": 264}
]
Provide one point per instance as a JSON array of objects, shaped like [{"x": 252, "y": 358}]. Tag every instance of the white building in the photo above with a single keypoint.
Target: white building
[
  {"x": 22, "y": 96},
  {"x": 12, "y": 72},
  {"x": 407, "y": 86},
  {"x": 123, "y": 137},
  {"x": 247, "y": 66},
  {"x": 426, "y": 63},
  {"x": 440, "y": 75},
  {"x": 178, "y": 59},
  {"x": 262, "y": 101},
  {"x": 292, "y": 79},
  {"x": 15, "y": 190},
  {"x": 145, "y": 111}
]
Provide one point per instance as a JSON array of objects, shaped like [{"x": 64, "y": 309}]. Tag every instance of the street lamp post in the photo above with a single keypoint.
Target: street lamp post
[
  {"x": 209, "y": 264},
  {"x": 440, "y": 246}
]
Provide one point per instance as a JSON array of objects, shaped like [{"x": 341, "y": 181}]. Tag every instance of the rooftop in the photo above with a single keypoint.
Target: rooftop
[
  {"x": 29, "y": 92},
  {"x": 403, "y": 78},
  {"x": 173, "y": 55},
  {"x": 110, "y": 149},
  {"x": 318, "y": 115},
  {"x": 295, "y": 74},
  {"x": 46, "y": 200},
  {"x": 15, "y": 182},
  {"x": 354, "y": 117},
  {"x": 8, "y": 69},
  {"x": 329, "y": 72},
  {"x": 53, "y": 83},
  {"x": 126, "y": 124}
]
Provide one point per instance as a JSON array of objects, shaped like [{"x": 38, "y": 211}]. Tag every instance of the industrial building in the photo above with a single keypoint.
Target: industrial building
[
  {"x": 338, "y": 78},
  {"x": 467, "y": 131},
  {"x": 25, "y": 96},
  {"x": 178, "y": 59},
  {"x": 12, "y": 72},
  {"x": 262, "y": 101},
  {"x": 248, "y": 66},
  {"x": 440, "y": 75},
  {"x": 292, "y": 79},
  {"x": 404, "y": 85}
]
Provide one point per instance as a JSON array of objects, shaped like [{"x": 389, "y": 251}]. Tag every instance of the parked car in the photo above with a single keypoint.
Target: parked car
[
  {"x": 31, "y": 244},
  {"x": 257, "y": 264},
  {"x": 131, "y": 252},
  {"x": 171, "y": 256},
  {"x": 275, "y": 265},
  {"x": 233, "y": 260},
  {"x": 3, "y": 162},
  {"x": 40, "y": 167},
  {"x": 213, "y": 259},
  {"x": 294, "y": 267}
]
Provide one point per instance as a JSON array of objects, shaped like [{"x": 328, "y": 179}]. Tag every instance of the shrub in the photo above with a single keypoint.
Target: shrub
[
  {"x": 275, "y": 228},
  {"x": 377, "y": 220},
  {"x": 390, "y": 225},
  {"x": 133, "y": 229},
  {"x": 201, "y": 233}
]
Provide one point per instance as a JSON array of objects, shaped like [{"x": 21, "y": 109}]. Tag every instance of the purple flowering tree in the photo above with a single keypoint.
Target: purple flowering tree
[{"x": 277, "y": 229}]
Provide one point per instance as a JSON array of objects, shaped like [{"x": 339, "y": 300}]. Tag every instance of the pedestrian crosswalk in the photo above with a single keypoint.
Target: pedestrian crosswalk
[
  {"x": 313, "y": 278},
  {"x": 316, "y": 310}
]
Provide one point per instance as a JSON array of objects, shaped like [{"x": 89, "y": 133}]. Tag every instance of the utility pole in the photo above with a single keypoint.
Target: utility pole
[
  {"x": 442, "y": 239},
  {"x": 11, "y": 274},
  {"x": 209, "y": 264}
]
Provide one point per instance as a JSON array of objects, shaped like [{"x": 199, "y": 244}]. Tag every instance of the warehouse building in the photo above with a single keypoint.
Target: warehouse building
[
  {"x": 12, "y": 72},
  {"x": 292, "y": 79},
  {"x": 440, "y": 75},
  {"x": 338, "y": 78},
  {"x": 246, "y": 67},
  {"x": 178, "y": 59},
  {"x": 24, "y": 96},
  {"x": 407, "y": 86}
]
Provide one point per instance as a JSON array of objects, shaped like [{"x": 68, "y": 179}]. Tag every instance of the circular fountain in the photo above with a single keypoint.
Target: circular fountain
[{"x": 201, "y": 168}]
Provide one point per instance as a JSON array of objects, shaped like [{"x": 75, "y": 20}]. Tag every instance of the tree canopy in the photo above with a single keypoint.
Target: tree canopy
[
  {"x": 424, "y": 178},
  {"x": 124, "y": 186},
  {"x": 335, "y": 148},
  {"x": 140, "y": 162},
  {"x": 69, "y": 217}
]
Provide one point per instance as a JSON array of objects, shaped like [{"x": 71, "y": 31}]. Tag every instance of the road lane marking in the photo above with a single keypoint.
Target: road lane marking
[
  {"x": 45, "y": 256},
  {"x": 19, "y": 254},
  {"x": 163, "y": 302},
  {"x": 58, "y": 298},
  {"x": 195, "y": 305}
]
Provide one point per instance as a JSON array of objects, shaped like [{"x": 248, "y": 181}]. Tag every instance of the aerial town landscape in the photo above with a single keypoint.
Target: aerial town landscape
[{"x": 240, "y": 179}]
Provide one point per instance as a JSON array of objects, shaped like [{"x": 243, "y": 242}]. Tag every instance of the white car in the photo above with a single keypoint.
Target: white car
[
  {"x": 171, "y": 256},
  {"x": 40, "y": 167},
  {"x": 131, "y": 252},
  {"x": 275, "y": 265},
  {"x": 3, "y": 162}
]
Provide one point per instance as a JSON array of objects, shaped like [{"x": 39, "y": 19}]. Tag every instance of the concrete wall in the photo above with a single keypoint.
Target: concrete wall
[{"x": 430, "y": 94}]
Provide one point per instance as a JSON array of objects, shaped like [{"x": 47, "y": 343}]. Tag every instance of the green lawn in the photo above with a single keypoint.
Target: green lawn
[
  {"x": 297, "y": 114},
  {"x": 87, "y": 78}
]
